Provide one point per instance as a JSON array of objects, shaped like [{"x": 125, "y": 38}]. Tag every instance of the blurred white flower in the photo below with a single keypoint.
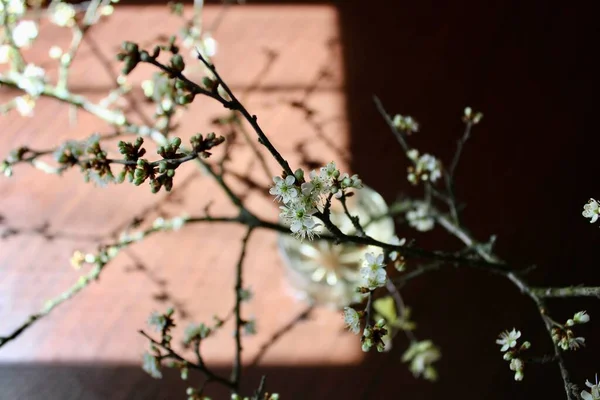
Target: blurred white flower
[
  {"x": 420, "y": 219},
  {"x": 55, "y": 52},
  {"x": 24, "y": 33},
  {"x": 24, "y": 105},
  {"x": 594, "y": 393},
  {"x": 210, "y": 45},
  {"x": 32, "y": 80},
  {"x": 62, "y": 14},
  {"x": 14, "y": 7}
]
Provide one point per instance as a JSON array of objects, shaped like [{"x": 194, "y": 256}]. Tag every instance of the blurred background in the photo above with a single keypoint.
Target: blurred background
[{"x": 308, "y": 70}]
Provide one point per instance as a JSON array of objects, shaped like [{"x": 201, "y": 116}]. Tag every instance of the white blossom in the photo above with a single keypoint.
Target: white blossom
[
  {"x": 316, "y": 187},
  {"x": 508, "y": 339},
  {"x": 581, "y": 317},
  {"x": 14, "y": 7},
  {"x": 157, "y": 321},
  {"x": 352, "y": 320},
  {"x": 420, "y": 219},
  {"x": 517, "y": 365},
  {"x": 151, "y": 365},
  {"x": 62, "y": 14},
  {"x": 591, "y": 210},
  {"x": 24, "y": 33},
  {"x": 194, "y": 331},
  {"x": 210, "y": 45},
  {"x": 24, "y": 105},
  {"x": 426, "y": 167},
  {"x": 329, "y": 173},
  {"x": 299, "y": 215},
  {"x": 421, "y": 356},
  {"x": 32, "y": 80},
  {"x": 407, "y": 123},
  {"x": 373, "y": 273},
  {"x": 594, "y": 393},
  {"x": 55, "y": 52},
  {"x": 284, "y": 189}
]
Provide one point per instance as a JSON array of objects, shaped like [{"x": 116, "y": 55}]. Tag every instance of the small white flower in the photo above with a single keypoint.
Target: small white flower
[
  {"x": 55, "y": 52},
  {"x": 195, "y": 331},
  {"x": 62, "y": 14},
  {"x": 426, "y": 167},
  {"x": 420, "y": 218},
  {"x": 284, "y": 189},
  {"x": 594, "y": 393},
  {"x": 581, "y": 317},
  {"x": 407, "y": 123},
  {"x": 299, "y": 215},
  {"x": 24, "y": 33},
  {"x": 210, "y": 45},
  {"x": 151, "y": 365},
  {"x": 517, "y": 365},
  {"x": 373, "y": 272},
  {"x": 148, "y": 87},
  {"x": 396, "y": 241},
  {"x": 329, "y": 173},
  {"x": 32, "y": 80},
  {"x": 14, "y": 8},
  {"x": 24, "y": 105},
  {"x": 157, "y": 321},
  {"x": 591, "y": 210},
  {"x": 352, "y": 320},
  {"x": 351, "y": 181},
  {"x": 421, "y": 356},
  {"x": 316, "y": 188},
  {"x": 508, "y": 339}
]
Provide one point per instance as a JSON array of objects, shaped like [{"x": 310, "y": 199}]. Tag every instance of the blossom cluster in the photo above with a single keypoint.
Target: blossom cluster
[
  {"x": 564, "y": 336},
  {"x": 421, "y": 356},
  {"x": 373, "y": 273},
  {"x": 426, "y": 167},
  {"x": 509, "y": 340},
  {"x": 420, "y": 218},
  {"x": 302, "y": 199},
  {"x": 591, "y": 210},
  {"x": 405, "y": 123}
]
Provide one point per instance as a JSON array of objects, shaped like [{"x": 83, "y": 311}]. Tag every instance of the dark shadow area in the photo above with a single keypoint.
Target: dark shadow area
[{"x": 525, "y": 175}]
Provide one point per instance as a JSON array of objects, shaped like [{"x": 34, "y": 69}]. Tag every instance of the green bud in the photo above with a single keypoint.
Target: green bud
[
  {"x": 207, "y": 82},
  {"x": 155, "y": 185},
  {"x": 184, "y": 373},
  {"x": 179, "y": 84},
  {"x": 177, "y": 62},
  {"x": 156, "y": 51},
  {"x": 185, "y": 99},
  {"x": 210, "y": 136},
  {"x": 170, "y": 173},
  {"x": 299, "y": 174},
  {"x": 144, "y": 56},
  {"x": 176, "y": 142},
  {"x": 190, "y": 391}
]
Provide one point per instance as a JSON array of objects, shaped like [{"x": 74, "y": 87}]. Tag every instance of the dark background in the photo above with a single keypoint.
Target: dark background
[{"x": 530, "y": 67}]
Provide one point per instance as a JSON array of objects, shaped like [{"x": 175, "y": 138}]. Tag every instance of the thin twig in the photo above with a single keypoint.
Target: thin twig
[{"x": 236, "y": 373}]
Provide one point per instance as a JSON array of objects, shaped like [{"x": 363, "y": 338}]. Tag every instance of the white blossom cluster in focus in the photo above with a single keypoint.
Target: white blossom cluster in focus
[
  {"x": 509, "y": 340},
  {"x": 302, "y": 199}
]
